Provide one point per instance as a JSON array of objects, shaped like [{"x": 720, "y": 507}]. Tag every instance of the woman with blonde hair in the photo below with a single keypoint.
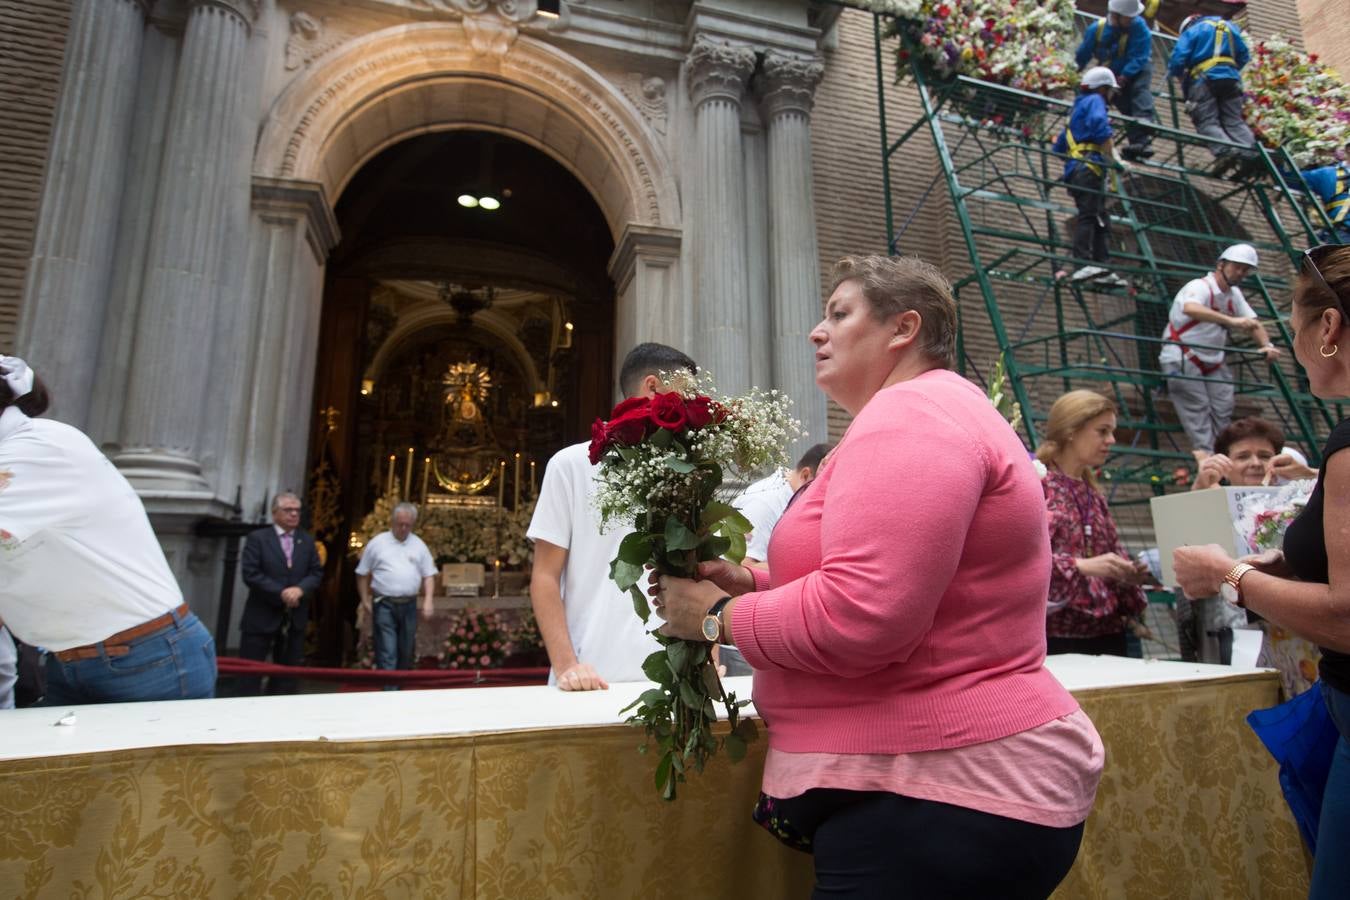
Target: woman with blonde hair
[
  {"x": 1094, "y": 586},
  {"x": 1306, "y": 588}
]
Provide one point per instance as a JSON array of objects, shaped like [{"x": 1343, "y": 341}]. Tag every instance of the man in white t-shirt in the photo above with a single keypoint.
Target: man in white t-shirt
[
  {"x": 395, "y": 568},
  {"x": 1192, "y": 359},
  {"x": 588, "y": 625},
  {"x": 764, "y": 501}
]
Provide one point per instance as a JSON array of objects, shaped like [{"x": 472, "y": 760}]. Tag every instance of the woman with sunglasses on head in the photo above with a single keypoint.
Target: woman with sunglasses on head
[{"x": 1306, "y": 588}]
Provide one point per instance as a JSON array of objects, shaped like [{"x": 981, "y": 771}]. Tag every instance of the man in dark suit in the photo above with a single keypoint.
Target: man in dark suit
[{"x": 282, "y": 570}]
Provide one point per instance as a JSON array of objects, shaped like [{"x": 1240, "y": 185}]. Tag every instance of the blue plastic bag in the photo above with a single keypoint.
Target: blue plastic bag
[{"x": 1302, "y": 737}]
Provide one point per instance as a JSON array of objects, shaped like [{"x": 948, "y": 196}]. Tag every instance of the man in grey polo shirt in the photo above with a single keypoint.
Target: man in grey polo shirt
[{"x": 395, "y": 568}]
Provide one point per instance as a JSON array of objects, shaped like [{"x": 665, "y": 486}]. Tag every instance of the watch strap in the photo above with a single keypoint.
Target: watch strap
[
  {"x": 1234, "y": 580},
  {"x": 715, "y": 612}
]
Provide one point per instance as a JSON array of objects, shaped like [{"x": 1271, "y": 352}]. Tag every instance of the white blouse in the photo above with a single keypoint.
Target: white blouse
[{"x": 78, "y": 559}]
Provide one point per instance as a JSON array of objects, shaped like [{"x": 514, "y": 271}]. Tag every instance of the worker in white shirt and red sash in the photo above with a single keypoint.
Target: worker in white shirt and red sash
[{"x": 1192, "y": 358}]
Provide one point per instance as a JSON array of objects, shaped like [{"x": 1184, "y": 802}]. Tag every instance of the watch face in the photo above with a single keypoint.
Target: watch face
[
  {"x": 1229, "y": 593},
  {"x": 710, "y": 628}
]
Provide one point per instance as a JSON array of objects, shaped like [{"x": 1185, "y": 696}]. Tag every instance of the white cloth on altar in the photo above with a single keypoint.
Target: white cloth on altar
[
  {"x": 78, "y": 559},
  {"x": 763, "y": 504},
  {"x": 396, "y": 568},
  {"x": 605, "y": 631}
]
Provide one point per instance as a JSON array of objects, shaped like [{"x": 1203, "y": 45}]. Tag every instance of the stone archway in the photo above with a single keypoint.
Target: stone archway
[{"x": 390, "y": 85}]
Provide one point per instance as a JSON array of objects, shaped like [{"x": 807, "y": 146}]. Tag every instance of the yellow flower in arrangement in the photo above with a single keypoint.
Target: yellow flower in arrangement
[{"x": 461, "y": 534}]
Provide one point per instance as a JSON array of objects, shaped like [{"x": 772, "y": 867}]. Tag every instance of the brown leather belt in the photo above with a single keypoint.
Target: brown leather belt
[{"x": 116, "y": 645}]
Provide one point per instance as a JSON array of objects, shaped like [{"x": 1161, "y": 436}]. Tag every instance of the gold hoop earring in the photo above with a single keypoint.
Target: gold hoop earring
[{"x": 1323, "y": 350}]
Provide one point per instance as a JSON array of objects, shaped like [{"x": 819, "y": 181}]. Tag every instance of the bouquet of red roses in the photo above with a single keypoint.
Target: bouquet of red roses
[{"x": 669, "y": 466}]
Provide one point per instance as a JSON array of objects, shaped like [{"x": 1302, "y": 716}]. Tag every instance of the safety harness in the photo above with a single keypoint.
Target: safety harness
[
  {"x": 1340, "y": 204},
  {"x": 1079, "y": 150},
  {"x": 1216, "y": 58},
  {"x": 1174, "y": 333},
  {"x": 1100, "y": 42}
]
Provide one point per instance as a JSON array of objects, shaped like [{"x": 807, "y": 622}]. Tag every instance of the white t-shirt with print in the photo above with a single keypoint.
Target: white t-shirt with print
[
  {"x": 1204, "y": 291},
  {"x": 78, "y": 559},
  {"x": 763, "y": 504},
  {"x": 605, "y": 631},
  {"x": 396, "y": 568}
]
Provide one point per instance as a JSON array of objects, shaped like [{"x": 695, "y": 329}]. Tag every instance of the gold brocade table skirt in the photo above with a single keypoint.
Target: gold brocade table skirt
[{"x": 1189, "y": 806}]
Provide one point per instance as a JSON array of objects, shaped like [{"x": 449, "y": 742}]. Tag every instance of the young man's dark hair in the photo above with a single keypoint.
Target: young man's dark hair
[
  {"x": 651, "y": 359},
  {"x": 812, "y": 457}
]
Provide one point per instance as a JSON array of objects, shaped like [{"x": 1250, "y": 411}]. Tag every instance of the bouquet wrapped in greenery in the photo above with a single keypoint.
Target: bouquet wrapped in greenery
[
  {"x": 1297, "y": 102},
  {"x": 668, "y": 466}
]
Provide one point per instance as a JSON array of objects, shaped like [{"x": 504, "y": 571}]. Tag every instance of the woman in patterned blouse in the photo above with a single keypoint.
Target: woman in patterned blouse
[{"x": 1094, "y": 586}]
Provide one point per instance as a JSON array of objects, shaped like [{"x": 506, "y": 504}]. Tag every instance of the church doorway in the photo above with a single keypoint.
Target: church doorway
[{"x": 467, "y": 334}]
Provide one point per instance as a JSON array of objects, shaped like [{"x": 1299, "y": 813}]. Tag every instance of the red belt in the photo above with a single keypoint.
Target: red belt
[{"x": 116, "y": 645}]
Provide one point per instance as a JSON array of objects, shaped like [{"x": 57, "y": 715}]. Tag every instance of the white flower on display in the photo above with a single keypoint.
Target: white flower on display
[{"x": 1041, "y": 470}]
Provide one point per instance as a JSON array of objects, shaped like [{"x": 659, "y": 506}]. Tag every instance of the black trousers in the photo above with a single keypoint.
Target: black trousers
[
  {"x": 870, "y": 845},
  {"x": 1090, "y": 231},
  {"x": 286, "y": 646},
  {"x": 1102, "y": 645}
]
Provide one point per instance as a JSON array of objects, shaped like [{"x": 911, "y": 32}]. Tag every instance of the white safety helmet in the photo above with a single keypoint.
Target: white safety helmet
[
  {"x": 1241, "y": 253},
  {"x": 1099, "y": 76},
  {"x": 1129, "y": 8}
]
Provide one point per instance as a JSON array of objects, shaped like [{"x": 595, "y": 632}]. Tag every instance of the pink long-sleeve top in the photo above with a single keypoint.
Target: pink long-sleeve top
[{"x": 905, "y": 610}]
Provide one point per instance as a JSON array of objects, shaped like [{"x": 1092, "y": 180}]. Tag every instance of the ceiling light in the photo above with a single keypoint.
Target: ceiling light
[
  {"x": 489, "y": 203},
  {"x": 468, "y": 201},
  {"x": 550, "y": 9}
]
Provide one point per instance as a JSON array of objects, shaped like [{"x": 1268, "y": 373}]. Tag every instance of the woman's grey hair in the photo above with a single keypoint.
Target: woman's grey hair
[
  {"x": 896, "y": 284},
  {"x": 405, "y": 507}
]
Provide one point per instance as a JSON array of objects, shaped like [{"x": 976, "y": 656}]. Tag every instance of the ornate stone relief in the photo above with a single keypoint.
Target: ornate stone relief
[
  {"x": 491, "y": 25},
  {"x": 718, "y": 69},
  {"x": 648, "y": 94},
  {"x": 310, "y": 38},
  {"x": 789, "y": 82}
]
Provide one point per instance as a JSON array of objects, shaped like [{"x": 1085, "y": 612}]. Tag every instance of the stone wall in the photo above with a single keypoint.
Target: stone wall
[
  {"x": 1326, "y": 30},
  {"x": 32, "y": 46}
]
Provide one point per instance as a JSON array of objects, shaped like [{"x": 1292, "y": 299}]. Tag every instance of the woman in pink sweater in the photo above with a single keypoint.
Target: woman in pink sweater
[{"x": 917, "y": 744}]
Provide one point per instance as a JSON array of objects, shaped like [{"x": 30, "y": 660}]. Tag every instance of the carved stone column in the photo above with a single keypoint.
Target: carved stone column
[
  {"x": 170, "y": 367},
  {"x": 717, "y": 74},
  {"x": 67, "y": 293},
  {"x": 789, "y": 87}
]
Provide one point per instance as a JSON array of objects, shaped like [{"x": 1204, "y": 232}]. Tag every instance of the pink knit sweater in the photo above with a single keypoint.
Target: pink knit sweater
[{"x": 905, "y": 609}]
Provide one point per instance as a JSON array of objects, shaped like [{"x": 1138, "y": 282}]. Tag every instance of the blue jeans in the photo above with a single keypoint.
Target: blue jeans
[
  {"x": 395, "y": 633},
  {"x": 178, "y": 662},
  {"x": 1331, "y": 868}
]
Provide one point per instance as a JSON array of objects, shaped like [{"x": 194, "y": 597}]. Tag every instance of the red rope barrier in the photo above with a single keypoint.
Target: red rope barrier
[{"x": 412, "y": 678}]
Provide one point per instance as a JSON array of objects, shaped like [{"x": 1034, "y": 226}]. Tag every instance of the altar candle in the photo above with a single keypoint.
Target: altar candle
[
  {"x": 407, "y": 476},
  {"x": 426, "y": 472},
  {"x": 534, "y": 485},
  {"x": 516, "y": 504},
  {"x": 496, "y": 578},
  {"x": 501, "y": 482},
  {"x": 389, "y": 483}
]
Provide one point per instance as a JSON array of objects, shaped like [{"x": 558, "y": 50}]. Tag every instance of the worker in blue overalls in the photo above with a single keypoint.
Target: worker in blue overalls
[
  {"x": 1209, "y": 57},
  {"x": 1087, "y": 142},
  {"x": 1123, "y": 43},
  {"x": 1331, "y": 185}
]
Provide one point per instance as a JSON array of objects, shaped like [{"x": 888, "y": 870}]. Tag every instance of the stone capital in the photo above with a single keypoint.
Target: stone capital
[
  {"x": 284, "y": 198},
  {"x": 718, "y": 69},
  {"x": 789, "y": 82},
  {"x": 246, "y": 10},
  {"x": 652, "y": 245}
]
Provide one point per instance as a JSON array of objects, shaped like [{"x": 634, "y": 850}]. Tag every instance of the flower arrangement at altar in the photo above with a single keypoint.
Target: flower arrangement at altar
[
  {"x": 478, "y": 639},
  {"x": 667, "y": 468},
  {"x": 462, "y": 534},
  {"x": 1295, "y": 101},
  {"x": 1024, "y": 45}
]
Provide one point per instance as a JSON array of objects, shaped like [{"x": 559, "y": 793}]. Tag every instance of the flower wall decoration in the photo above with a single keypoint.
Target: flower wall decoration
[{"x": 1297, "y": 102}]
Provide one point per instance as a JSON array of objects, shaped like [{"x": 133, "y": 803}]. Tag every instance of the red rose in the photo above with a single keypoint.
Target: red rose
[
  {"x": 699, "y": 410},
  {"x": 598, "y": 443},
  {"x": 626, "y": 406},
  {"x": 668, "y": 411},
  {"x": 628, "y": 429}
]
